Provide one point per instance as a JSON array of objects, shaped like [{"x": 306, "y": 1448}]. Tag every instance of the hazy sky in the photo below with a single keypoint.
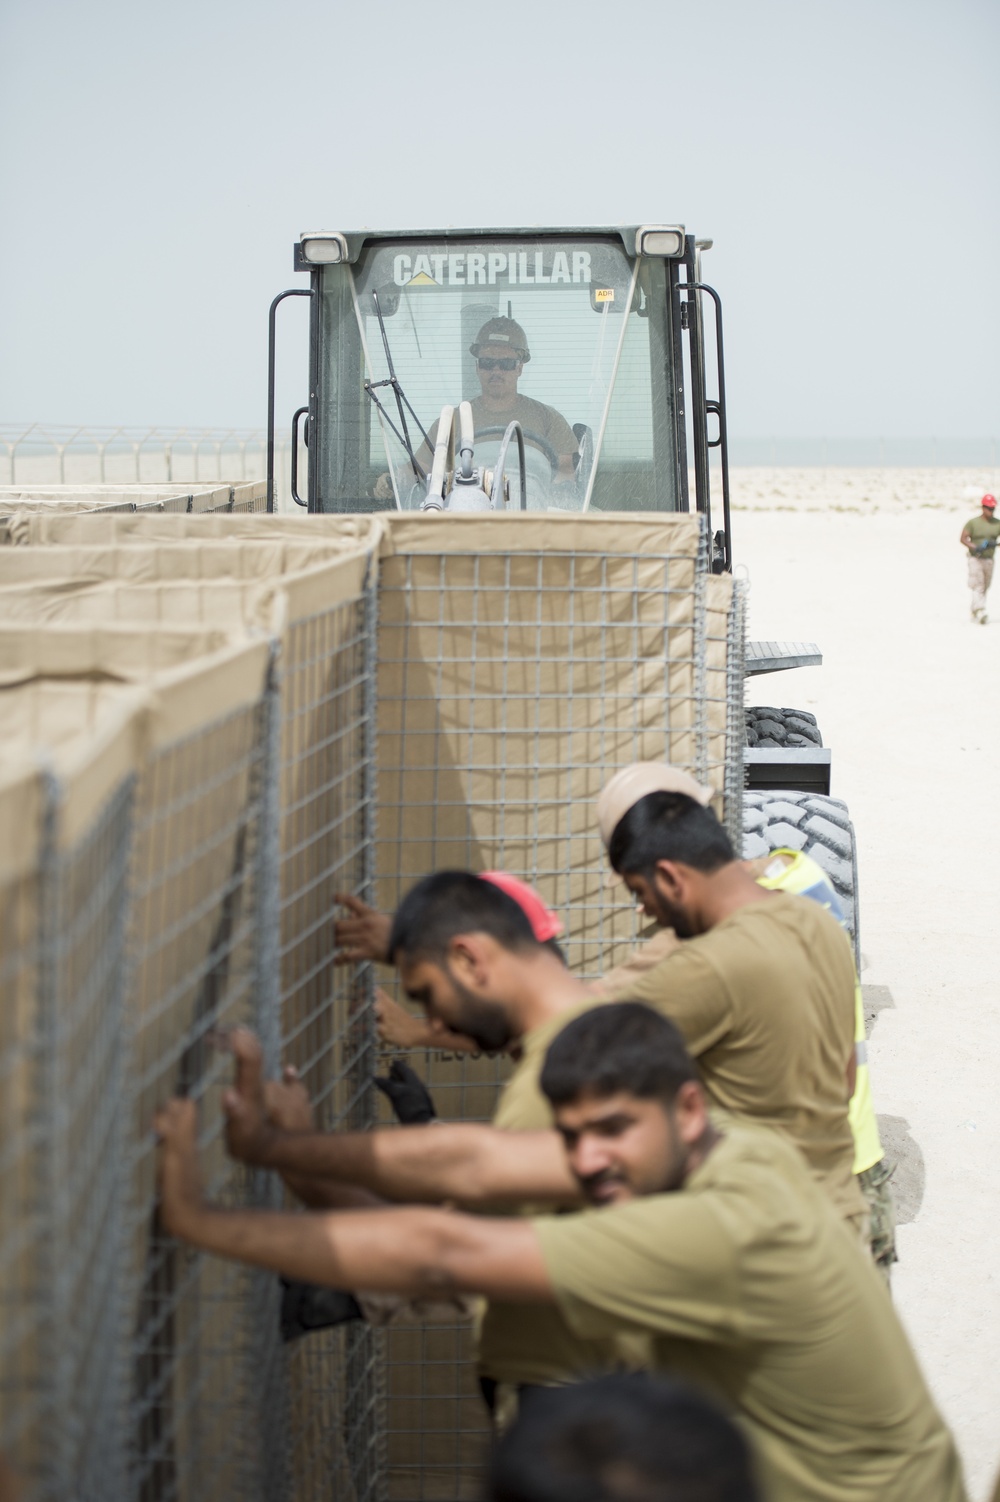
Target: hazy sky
[{"x": 158, "y": 161}]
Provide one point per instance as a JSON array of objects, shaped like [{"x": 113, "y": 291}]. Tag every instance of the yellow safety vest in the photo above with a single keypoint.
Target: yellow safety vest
[{"x": 791, "y": 871}]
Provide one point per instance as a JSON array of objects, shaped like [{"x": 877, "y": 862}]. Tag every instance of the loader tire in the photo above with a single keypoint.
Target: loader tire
[
  {"x": 767, "y": 726},
  {"x": 820, "y": 827}
]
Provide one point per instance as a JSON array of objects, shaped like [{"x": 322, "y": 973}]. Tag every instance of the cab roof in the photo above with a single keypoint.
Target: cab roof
[{"x": 358, "y": 239}]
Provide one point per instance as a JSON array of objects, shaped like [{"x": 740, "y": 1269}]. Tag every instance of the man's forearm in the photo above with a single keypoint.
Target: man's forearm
[
  {"x": 318, "y": 1193},
  {"x": 467, "y": 1165},
  {"x": 417, "y": 1252}
]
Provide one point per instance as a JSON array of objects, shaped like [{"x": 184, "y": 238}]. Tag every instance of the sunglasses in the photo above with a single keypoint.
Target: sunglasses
[{"x": 509, "y": 363}]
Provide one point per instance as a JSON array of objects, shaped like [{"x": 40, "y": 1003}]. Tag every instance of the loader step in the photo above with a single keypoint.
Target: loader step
[{"x": 773, "y": 656}]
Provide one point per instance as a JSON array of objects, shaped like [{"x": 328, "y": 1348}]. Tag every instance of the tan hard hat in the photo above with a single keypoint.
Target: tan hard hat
[
  {"x": 503, "y": 331},
  {"x": 632, "y": 783}
]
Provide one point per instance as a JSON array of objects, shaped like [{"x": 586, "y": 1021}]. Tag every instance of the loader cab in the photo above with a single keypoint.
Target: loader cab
[{"x": 591, "y": 339}]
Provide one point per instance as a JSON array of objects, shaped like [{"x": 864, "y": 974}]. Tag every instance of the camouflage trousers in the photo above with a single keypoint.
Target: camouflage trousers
[{"x": 874, "y": 1185}]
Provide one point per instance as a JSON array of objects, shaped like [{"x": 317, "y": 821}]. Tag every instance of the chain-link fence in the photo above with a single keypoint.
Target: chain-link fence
[
  {"x": 40, "y": 453},
  {"x": 271, "y": 685}
]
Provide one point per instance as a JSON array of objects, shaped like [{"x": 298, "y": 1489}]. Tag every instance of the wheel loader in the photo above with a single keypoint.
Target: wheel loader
[{"x": 575, "y": 370}]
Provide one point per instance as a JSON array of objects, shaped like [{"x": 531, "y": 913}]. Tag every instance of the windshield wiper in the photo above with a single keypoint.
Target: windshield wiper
[{"x": 401, "y": 400}]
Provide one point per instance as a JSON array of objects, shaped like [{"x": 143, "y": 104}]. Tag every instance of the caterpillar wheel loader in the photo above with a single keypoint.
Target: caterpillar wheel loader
[{"x": 567, "y": 370}]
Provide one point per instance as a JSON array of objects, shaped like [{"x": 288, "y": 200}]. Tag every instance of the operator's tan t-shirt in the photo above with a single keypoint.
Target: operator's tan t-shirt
[
  {"x": 765, "y": 1001},
  {"x": 534, "y": 417},
  {"x": 749, "y": 1285},
  {"x": 532, "y": 1343}
]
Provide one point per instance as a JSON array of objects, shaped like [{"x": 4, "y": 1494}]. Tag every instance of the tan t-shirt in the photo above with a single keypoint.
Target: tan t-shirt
[
  {"x": 765, "y": 1001},
  {"x": 531, "y": 1342},
  {"x": 534, "y": 417},
  {"x": 751, "y": 1287},
  {"x": 983, "y": 529},
  {"x": 661, "y": 943}
]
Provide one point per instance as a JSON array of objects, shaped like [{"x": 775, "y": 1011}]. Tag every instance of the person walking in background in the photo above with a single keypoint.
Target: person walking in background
[{"x": 979, "y": 537}]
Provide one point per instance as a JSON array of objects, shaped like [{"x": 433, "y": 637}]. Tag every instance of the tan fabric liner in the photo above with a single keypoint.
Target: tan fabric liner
[
  {"x": 92, "y": 731},
  {"x": 436, "y": 532},
  {"x": 128, "y": 652},
  {"x": 106, "y": 528},
  {"x": 225, "y": 603},
  {"x": 210, "y": 559}
]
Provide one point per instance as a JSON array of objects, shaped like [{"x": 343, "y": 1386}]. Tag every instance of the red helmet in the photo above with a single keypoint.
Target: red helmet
[{"x": 989, "y": 501}]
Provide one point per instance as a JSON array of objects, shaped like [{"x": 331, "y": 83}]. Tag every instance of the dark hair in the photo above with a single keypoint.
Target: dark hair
[
  {"x": 449, "y": 903},
  {"x": 624, "y": 1438},
  {"x": 623, "y": 1045},
  {"x": 668, "y": 827}
]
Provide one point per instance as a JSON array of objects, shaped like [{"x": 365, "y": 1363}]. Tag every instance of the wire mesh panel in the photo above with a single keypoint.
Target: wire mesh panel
[
  {"x": 326, "y": 822},
  {"x": 721, "y": 700},
  {"x": 27, "y": 1387},
  {"x": 249, "y": 498},
  {"x": 63, "y": 904},
  {"x": 195, "y": 1406},
  {"x": 521, "y": 662},
  {"x": 83, "y": 917},
  {"x": 736, "y": 659},
  {"x": 515, "y": 676}
]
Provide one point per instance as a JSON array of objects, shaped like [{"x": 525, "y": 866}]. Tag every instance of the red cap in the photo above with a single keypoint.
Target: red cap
[
  {"x": 989, "y": 501},
  {"x": 544, "y": 923}
]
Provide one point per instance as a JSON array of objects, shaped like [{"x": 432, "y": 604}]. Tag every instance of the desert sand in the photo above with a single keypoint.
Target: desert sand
[
  {"x": 861, "y": 491},
  {"x": 868, "y": 565}
]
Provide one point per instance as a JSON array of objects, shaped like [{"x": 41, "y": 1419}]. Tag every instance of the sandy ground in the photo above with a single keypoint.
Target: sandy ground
[
  {"x": 863, "y": 491},
  {"x": 908, "y": 700}
]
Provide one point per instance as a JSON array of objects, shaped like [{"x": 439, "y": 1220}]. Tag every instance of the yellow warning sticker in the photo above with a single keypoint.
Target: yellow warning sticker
[{"x": 604, "y": 294}]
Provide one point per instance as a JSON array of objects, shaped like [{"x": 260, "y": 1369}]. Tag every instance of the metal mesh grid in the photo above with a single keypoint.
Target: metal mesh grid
[
  {"x": 83, "y": 915},
  {"x": 326, "y": 821},
  {"x": 511, "y": 686},
  {"x": 736, "y": 660},
  {"x": 243, "y": 503},
  {"x": 27, "y": 1394},
  {"x": 193, "y": 1321},
  {"x": 721, "y": 699}
]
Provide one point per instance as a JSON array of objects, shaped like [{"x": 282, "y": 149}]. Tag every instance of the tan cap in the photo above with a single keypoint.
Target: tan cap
[{"x": 632, "y": 783}]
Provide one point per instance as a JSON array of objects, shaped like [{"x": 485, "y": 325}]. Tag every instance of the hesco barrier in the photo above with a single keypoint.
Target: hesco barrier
[
  {"x": 17, "y": 504},
  {"x": 212, "y": 724}
]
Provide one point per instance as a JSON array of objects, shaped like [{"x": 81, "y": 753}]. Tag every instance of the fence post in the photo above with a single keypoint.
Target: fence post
[
  {"x": 702, "y": 569},
  {"x": 267, "y": 958},
  {"x": 736, "y": 728},
  {"x": 269, "y": 1479},
  {"x": 364, "y": 1416},
  {"x": 53, "y": 1367}
]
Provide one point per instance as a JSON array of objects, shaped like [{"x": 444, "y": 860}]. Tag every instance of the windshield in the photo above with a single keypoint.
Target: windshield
[{"x": 568, "y": 336}]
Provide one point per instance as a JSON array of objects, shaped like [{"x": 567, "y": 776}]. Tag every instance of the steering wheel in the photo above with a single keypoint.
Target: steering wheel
[{"x": 529, "y": 437}]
